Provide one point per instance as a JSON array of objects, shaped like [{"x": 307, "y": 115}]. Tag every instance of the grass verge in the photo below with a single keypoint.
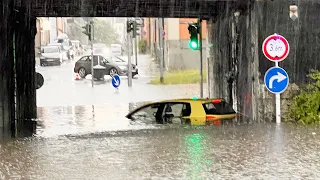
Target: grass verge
[{"x": 190, "y": 76}]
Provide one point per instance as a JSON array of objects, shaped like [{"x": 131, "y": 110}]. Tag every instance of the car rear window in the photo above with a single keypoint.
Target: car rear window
[{"x": 218, "y": 108}]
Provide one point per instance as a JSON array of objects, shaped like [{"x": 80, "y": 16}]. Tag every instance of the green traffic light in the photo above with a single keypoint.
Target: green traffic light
[{"x": 193, "y": 45}]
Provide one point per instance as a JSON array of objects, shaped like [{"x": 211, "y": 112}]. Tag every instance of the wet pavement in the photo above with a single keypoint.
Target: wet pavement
[
  {"x": 260, "y": 151},
  {"x": 83, "y": 134},
  {"x": 67, "y": 106},
  {"x": 61, "y": 89}
]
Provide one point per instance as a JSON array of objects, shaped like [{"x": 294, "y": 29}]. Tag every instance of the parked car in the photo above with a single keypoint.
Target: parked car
[
  {"x": 63, "y": 50},
  {"x": 122, "y": 62},
  {"x": 83, "y": 66},
  {"x": 50, "y": 55},
  {"x": 184, "y": 111}
]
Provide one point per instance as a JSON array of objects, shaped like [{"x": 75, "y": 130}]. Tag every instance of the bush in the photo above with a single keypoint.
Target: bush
[
  {"x": 142, "y": 46},
  {"x": 305, "y": 107}
]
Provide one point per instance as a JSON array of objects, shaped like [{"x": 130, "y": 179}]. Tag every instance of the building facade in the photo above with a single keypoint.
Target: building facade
[{"x": 176, "y": 36}]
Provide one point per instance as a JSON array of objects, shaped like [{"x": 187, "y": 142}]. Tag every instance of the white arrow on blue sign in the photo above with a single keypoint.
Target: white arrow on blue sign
[
  {"x": 115, "y": 81},
  {"x": 276, "y": 80}
]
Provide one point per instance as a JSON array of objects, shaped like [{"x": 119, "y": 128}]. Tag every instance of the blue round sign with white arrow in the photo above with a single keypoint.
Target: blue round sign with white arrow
[
  {"x": 276, "y": 80},
  {"x": 116, "y": 81}
]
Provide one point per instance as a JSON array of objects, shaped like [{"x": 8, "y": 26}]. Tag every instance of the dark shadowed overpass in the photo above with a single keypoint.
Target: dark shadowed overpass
[
  {"x": 134, "y": 8},
  {"x": 236, "y": 30},
  {"x": 18, "y": 29}
]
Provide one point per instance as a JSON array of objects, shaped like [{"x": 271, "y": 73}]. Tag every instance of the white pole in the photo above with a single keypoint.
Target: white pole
[
  {"x": 129, "y": 40},
  {"x": 278, "y": 103},
  {"x": 161, "y": 43},
  {"x": 92, "y": 36}
]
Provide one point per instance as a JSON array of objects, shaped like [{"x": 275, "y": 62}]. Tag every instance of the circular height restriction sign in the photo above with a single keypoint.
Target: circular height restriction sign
[{"x": 275, "y": 48}]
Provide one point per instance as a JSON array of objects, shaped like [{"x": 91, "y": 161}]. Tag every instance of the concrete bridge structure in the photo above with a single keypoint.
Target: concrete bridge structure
[{"x": 236, "y": 30}]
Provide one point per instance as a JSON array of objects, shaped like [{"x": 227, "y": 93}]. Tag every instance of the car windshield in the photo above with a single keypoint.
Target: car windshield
[{"x": 50, "y": 49}]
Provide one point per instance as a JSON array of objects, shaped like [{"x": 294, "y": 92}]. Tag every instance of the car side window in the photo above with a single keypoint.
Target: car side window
[
  {"x": 85, "y": 58},
  {"x": 173, "y": 112},
  {"x": 218, "y": 108},
  {"x": 146, "y": 114},
  {"x": 103, "y": 60}
]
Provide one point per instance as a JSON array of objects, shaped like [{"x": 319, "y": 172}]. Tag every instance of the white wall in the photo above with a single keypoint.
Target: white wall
[
  {"x": 53, "y": 28},
  {"x": 173, "y": 29}
]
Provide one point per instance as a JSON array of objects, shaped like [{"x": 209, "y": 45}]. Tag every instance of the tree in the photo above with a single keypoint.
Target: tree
[{"x": 104, "y": 32}]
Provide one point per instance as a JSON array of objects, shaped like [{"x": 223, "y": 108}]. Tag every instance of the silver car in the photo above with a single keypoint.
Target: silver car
[{"x": 50, "y": 55}]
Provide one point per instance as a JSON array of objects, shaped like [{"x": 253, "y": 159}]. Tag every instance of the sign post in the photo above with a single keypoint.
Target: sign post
[{"x": 276, "y": 48}]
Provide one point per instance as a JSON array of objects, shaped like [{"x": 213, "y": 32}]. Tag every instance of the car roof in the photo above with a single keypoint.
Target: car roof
[
  {"x": 201, "y": 100},
  {"x": 54, "y": 44},
  {"x": 93, "y": 55},
  {"x": 182, "y": 100},
  {"x": 50, "y": 47}
]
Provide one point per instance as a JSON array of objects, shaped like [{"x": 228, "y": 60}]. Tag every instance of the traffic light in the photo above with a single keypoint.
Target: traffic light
[
  {"x": 194, "y": 42},
  {"x": 136, "y": 29},
  {"x": 87, "y": 30},
  {"x": 129, "y": 26}
]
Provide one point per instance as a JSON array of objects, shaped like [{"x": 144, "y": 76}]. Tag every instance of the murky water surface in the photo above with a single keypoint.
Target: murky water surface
[{"x": 93, "y": 142}]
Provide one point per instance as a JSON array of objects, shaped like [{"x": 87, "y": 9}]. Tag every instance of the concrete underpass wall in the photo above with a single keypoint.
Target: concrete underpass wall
[
  {"x": 178, "y": 55},
  {"x": 237, "y": 64},
  {"x": 303, "y": 36},
  {"x": 17, "y": 79},
  {"x": 25, "y": 31},
  {"x": 6, "y": 69}
]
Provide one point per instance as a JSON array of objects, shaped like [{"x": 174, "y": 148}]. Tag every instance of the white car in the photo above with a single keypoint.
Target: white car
[{"x": 50, "y": 55}]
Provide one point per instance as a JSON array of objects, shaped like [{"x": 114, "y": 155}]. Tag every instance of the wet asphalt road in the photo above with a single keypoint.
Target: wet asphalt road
[
  {"x": 61, "y": 89},
  {"x": 93, "y": 140},
  {"x": 67, "y": 106}
]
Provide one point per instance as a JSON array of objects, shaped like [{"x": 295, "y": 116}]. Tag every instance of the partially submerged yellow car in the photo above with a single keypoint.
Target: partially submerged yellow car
[{"x": 191, "y": 111}]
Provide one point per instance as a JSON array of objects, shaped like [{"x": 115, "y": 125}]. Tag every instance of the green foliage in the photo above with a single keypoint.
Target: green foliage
[
  {"x": 104, "y": 32},
  {"x": 305, "y": 107},
  {"x": 142, "y": 46},
  {"x": 190, "y": 76}
]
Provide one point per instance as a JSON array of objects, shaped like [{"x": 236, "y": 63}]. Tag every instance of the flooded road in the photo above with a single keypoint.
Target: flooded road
[
  {"x": 260, "y": 151},
  {"x": 94, "y": 140}
]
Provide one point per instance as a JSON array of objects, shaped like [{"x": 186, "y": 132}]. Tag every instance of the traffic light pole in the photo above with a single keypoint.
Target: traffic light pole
[
  {"x": 129, "y": 41},
  {"x": 201, "y": 60},
  {"x": 160, "y": 24},
  {"x": 136, "y": 45},
  {"x": 92, "y": 36},
  {"x": 129, "y": 62}
]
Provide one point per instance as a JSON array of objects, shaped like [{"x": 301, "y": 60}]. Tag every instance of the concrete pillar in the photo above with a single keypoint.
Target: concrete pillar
[
  {"x": 233, "y": 58},
  {"x": 218, "y": 57},
  {"x": 6, "y": 69},
  {"x": 24, "y": 34}
]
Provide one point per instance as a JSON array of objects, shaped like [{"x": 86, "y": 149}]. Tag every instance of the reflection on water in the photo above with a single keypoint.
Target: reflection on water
[
  {"x": 256, "y": 151},
  {"x": 196, "y": 148},
  {"x": 54, "y": 121}
]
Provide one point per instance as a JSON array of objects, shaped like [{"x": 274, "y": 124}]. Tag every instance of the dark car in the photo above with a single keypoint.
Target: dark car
[{"x": 83, "y": 66}]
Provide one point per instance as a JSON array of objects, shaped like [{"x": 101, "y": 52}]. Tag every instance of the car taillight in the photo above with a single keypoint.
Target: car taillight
[
  {"x": 208, "y": 117},
  {"x": 216, "y": 101}
]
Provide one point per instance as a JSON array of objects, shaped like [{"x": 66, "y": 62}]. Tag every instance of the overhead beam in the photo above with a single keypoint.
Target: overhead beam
[{"x": 128, "y": 8}]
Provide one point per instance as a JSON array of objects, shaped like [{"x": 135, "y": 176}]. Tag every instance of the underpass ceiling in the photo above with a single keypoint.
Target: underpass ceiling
[{"x": 131, "y": 8}]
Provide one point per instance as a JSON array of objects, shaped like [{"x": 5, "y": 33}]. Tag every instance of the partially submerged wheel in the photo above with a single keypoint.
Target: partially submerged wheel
[
  {"x": 82, "y": 72},
  {"x": 113, "y": 71}
]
